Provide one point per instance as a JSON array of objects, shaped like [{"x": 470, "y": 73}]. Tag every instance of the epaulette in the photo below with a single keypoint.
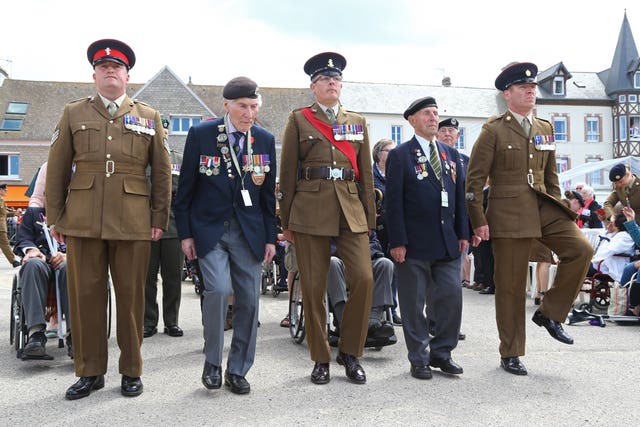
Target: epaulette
[
  {"x": 301, "y": 108},
  {"x": 544, "y": 120},
  {"x": 494, "y": 118},
  {"x": 137, "y": 101},
  {"x": 87, "y": 98}
]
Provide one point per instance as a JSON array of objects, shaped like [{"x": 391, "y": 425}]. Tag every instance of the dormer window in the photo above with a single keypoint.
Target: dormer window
[{"x": 558, "y": 85}]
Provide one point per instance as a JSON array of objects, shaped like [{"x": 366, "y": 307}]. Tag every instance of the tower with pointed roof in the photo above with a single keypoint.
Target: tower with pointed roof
[{"x": 622, "y": 84}]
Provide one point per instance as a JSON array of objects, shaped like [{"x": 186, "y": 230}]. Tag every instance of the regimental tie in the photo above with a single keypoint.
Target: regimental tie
[
  {"x": 526, "y": 126},
  {"x": 236, "y": 145},
  {"x": 112, "y": 108},
  {"x": 331, "y": 115},
  {"x": 434, "y": 160}
]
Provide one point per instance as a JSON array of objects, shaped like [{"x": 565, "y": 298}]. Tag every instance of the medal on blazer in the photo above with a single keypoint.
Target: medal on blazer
[
  {"x": 544, "y": 142},
  {"x": 348, "y": 132},
  {"x": 421, "y": 171},
  {"x": 140, "y": 124}
]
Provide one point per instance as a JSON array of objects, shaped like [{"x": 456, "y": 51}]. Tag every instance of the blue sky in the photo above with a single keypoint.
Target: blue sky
[{"x": 399, "y": 41}]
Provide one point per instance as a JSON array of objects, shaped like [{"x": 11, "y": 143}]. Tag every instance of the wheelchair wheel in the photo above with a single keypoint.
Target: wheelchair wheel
[
  {"x": 601, "y": 295},
  {"x": 296, "y": 312},
  {"x": 15, "y": 314}
]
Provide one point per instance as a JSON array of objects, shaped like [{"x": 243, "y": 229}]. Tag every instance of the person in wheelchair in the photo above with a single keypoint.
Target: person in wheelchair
[
  {"x": 380, "y": 329},
  {"x": 37, "y": 272},
  {"x": 632, "y": 268},
  {"x": 613, "y": 251}
]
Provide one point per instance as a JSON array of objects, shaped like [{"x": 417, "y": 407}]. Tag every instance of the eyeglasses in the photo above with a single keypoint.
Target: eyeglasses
[{"x": 326, "y": 79}]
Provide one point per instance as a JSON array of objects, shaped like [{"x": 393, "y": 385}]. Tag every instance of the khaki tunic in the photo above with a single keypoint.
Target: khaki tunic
[
  {"x": 97, "y": 195},
  {"x": 318, "y": 208},
  {"x": 620, "y": 195},
  {"x": 523, "y": 205}
]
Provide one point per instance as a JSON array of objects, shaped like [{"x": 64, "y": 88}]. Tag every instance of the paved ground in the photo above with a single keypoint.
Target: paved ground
[{"x": 594, "y": 382}]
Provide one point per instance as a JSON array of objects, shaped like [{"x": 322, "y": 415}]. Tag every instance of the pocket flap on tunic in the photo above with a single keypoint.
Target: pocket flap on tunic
[
  {"x": 81, "y": 182},
  {"x": 81, "y": 126},
  {"x": 136, "y": 186},
  {"x": 498, "y": 193}
]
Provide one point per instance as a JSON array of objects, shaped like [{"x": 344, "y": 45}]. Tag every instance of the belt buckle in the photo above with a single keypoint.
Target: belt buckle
[
  {"x": 110, "y": 167},
  {"x": 335, "y": 173}
]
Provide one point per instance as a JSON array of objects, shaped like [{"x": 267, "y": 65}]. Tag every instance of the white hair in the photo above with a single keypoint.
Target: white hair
[
  {"x": 230, "y": 101},
  {"x": 587, "y": 190}
]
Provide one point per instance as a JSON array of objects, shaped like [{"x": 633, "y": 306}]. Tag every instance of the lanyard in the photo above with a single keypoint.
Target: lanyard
[{"x": 248, "y": 144}]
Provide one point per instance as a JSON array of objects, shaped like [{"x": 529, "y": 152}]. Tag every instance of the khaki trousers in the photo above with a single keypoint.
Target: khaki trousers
[
  {"x": 88, "y": 263},
  {"x": 563, "y": 237},
  {"x": 313, "y": 253}
]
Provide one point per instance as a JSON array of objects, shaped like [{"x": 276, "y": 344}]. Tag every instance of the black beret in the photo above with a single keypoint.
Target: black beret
[
  {"x": 111, "y": 50},
  {"x": 448, "y": 123},
  {"x": 3, "y": 186},
  {"x": 617, "y": 172},
  {"x": 240, "y": 87},
  {"x": 325, "y": 63},
  {"x": 419, "y": 104},
  {"x": 522, "y": 72},
  {"x": 578, "y": 197}
]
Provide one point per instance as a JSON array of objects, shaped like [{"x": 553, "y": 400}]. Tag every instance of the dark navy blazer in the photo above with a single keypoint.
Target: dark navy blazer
[
  {"x": 415, "y": 217},
  {"x": 205, "y": 204}
]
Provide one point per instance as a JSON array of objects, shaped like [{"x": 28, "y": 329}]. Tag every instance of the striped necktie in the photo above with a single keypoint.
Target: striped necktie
[
  {"x": 112, "y": 108},
  {"x": 331, "y": 115},
  {"x": 434, "y": 160}
]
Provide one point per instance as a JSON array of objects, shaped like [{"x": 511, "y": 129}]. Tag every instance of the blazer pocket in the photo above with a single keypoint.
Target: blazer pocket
[
  {"x": 79, "y": 207},
  {"x": 136, "y": 211},
  {"x": 512, "y": 157},
  {"x": 135, "y": 144},
  {"x": 86, "y": 136}
]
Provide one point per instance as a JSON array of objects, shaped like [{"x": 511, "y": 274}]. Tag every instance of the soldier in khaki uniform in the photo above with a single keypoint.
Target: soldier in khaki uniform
[
  {"x": 4, "y": 237},
  {"x": 326, "y": 185},
  {"x": 517, "y": 152},
  {"x": 626, "y": 190},
  {"x": 98, "y": 200}
]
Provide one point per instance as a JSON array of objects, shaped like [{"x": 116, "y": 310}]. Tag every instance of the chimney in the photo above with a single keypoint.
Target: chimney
[{"x": 446, "y": 81}]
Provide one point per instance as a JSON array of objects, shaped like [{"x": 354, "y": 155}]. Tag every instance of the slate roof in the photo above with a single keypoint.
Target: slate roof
[{"x": 619, "y": 77}]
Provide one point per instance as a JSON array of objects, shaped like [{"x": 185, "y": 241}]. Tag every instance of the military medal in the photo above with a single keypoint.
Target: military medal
[
  {"x": 224, "y": 150},
  {"x": 422, "y": 159},
  {"x": 222, "y": 137},
  {"x": 208, "y": 172}
]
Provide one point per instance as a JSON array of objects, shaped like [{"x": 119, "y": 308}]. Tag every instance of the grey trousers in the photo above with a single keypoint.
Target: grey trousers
[
  {"x": 382, "y": 278},
  {"x": 231, "y": 268},
  {"x": 35, "y": 277},
  {"x": 431, "y": 287}
]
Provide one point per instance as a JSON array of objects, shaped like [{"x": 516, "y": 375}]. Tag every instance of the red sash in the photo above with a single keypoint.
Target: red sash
[{"x": 327, "y": 130}]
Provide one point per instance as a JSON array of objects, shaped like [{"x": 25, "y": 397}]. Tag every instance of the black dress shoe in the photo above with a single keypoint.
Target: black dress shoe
[
  {"x": 554, "y": 328},
  {"x": 131, "y": 386},
  {"x": 397, "y": 320},
  {"x": 238, "y": 384},
  {"x": 320, "y": 373},
  {"x": 489, "y": 290},
  {"x": 448, "y": 366},
  {"x": 513, "y": 365},
  {"x": 150, "y": 331},
  {"x": 379, "y": 329},
  {"x": 352, "y": 368},
  {"x": 421, "y": 372},
  {"x": 84, "y": 386},
  {"x": 461, "y": 336},
  {"x": 173, "y": 331},
  {"x": 35, "y": 347},
  {"x": 16, "y": 263},
  {"x": 211, "y": 376}
]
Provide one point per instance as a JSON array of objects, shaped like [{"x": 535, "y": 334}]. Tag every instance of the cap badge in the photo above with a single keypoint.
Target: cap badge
[
  {"x": 330, "y": 63},
  {"x": 527, "y": 73},
  {"x": 454, "y": 122},
  {"x": 108, "y": 51}
]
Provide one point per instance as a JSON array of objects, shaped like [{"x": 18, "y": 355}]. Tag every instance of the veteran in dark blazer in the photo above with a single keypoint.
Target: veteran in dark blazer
[
  {"x": 516, "y": 151},
  {"x": 626, "y": 190},
  {"x": 326, "y": 190},
  {"x": 428, "y": 231},
  {"x": 225, "y": 214},
  {"x": 98, "y": 199}
]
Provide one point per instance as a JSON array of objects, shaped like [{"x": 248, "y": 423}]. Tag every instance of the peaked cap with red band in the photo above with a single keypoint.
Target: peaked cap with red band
[{"x": 111, "y": 50}]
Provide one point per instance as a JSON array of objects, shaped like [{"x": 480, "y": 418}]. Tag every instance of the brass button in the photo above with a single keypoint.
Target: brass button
[
  {"x": 109, "y": 137},
  {"x": 108, "y": 156}
]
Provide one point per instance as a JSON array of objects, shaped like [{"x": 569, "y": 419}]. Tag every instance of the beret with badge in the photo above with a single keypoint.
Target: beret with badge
[
  {"x": 419, "y": 104},
  {"x": 3, "y": 186},
  {"x": 111, "y": 50},
  {"x": 449, "y": 123},
  {"x": 240, "y": 87},
  {"x": 325, "y": 64},
  {"x": 521, "y": 72},
  {"x": 617, "y": 172}
]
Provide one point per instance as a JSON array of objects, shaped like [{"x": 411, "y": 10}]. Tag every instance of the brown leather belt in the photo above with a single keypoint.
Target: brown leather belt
[
  {"x": 109, "y": 167},
  {"x": 327, "y": 173}
]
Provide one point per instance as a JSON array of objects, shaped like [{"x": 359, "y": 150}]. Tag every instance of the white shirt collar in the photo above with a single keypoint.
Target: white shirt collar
[{"x": 118, "y": 100}]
